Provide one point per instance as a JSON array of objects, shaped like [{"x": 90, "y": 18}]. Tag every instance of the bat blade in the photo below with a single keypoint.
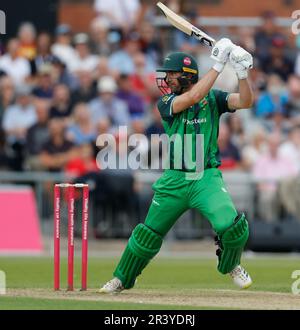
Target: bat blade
[{"x": 183, "y": 25}]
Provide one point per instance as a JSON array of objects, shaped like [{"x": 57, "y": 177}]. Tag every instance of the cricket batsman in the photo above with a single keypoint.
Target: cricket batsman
[{"x": 192, "y": 107}]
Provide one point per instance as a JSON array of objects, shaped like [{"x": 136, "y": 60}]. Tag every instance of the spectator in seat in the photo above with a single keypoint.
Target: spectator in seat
[
  {"x": 265, "y": 35},
  {"x": 87, "y": 89},
  {"x": 120, "y": 14},
  {"x": 82, "y": 130},
  {"x": 27, "y": 41},
  {"x": 293, "y": 104},
  {"x": 61, "y": 105},
  {"x": 37, "y": 134},
  {"x": 122, "y": 61},
  {"x": 149, "y": 41},
  {"x": 135, "y": 103},
  {"x": 100, "y": 37},
  {"x": 255, "y": 149},
  {"x": 290, "y": 148},
  {"x": 83, "y": 60},
  {"x": 83, "y": 164},
  {"x": 278, "y": 62},
  {"x": 62, "y": 75},
  {"x": 18, "y": 68},
  {"x": 144, "y": 81},
  {"x": 62, "y": 48},
  {"x": 107, "y": 107},
  {"x": 19, "y": 116},
  {"x": 228, "y": 152},
  {"x": 43, "y": 55},
  {"x": 268, "y": 171},
  {"x": 57, "y": 151},
  {"x": 45, "y": 82},
  {"x": 7, "y": 94},
  {"x": 16, "y": 120},
  {"x": 6, "y": 159},
  {"x": 273, "y": 100},
  {"x": 236, "y": 127}
]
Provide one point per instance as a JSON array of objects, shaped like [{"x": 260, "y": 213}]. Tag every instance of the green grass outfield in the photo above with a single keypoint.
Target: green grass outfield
[{"x": 165, "y": 284}]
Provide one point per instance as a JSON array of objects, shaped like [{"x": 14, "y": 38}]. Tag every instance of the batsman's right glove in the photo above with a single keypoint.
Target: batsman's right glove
[{"x": 241, "y": 61}]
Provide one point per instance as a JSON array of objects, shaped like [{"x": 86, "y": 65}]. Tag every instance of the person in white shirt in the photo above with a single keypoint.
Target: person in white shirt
[
  {"x": 83, "y": 59},
  {"x": 16, "y": 67},
  {"x": 62, "y": 47},
  {"x": 19, "y": 117},
  {"x": 119, "y": 13}
]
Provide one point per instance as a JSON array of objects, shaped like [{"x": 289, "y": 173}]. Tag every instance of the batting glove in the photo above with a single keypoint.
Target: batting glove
[
  {"x": 220, "y": 53},
  {"x": 241, "y": 61}
]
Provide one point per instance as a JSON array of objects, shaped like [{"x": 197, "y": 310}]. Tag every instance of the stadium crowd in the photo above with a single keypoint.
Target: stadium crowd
[{"x": 59, "y": 92}]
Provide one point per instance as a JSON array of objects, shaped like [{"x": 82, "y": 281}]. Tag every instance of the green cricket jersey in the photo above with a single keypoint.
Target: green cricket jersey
[{"x": 201, "y": 118}]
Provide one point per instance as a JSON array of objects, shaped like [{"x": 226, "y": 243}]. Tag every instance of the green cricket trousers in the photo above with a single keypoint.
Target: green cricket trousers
[{"x": 174, "y": 194}]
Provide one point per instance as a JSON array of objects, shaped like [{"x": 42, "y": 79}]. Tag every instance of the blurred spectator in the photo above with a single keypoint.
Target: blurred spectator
[
  {"x": 268, "y": 171},
  {"x": 101, "y": 38},
  {"x": 228, "y": 152},
  {"x": 134, "y": 102},
  {"x": 27, "y": 43},
  {"x": 82, "y": 130},
  {"x": 122, "y": 61},
  {"x": 12, "y": 64},
  {"x": 290, "y": 149},
  {"x": 61, "y": 103},
  {"x": 7, "y": 94},
  {"x": 87, "y": 89},
  {"x": 115, "y": 11},
  {"x": 6, "y": 159},
  {"x": 45, "y": 84},
  {"x": 155, "y": 126},
  {"x": 257, "y": 147},
  {"x": 273, "y": 100},
  {"x": 277, "y": 62},
  {"x": 57, "y": 151},
  {"x": 235, "y": 125},
  {"x": 43, "y": 54},
  {"x": 149, "y": 41},
  {"x": 83, "y": 60},
  {"x": 107, "y": 107},
  {"x": 62, "y": 75},
  {"x": 104, "y": 70},
  {"x": 62, "y": 48},
  {"x": 83, "y": 164},
  {"x": 293, "y": 105},
  {"x": 19, "y": 116},
  {"x": 246, "y": 38},
  {"x": 265, "y": 36},
  {"x": 144, "y": 81},
  {"x": 37, "y": 134}
]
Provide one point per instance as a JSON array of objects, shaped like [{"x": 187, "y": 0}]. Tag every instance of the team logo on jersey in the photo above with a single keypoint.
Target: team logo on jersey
[
  {"x": 166, "y": 98},
  {"x": 187, "y": 61}
]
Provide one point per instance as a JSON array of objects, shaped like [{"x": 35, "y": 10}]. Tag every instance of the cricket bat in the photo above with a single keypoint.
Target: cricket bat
[{"x": 183, "y": 25}]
